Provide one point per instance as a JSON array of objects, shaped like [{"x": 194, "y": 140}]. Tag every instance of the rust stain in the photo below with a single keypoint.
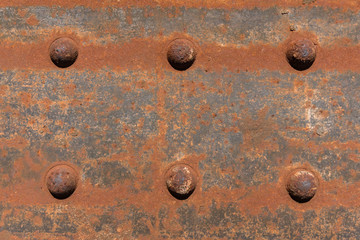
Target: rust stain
[
  {"x": 17, "y": 142},
  {"x": 70, "y": 89},
  {"x": 253, "y": 199},
  {"x": 3, "y": 90},
  {"x": 209, "y": 4},
  {"x": 32, "y": 20},
  {"x": 124, "y": 131},
  {"x": 26, "y": 99},
  {"x": 148, "y": 55}
]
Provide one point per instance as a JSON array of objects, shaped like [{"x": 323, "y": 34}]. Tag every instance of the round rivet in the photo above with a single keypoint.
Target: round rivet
[
  {"x": 302, "y": 185},
  {"x": 181, "y": 181},
  {"x": 61, "y": 181},
  {"x": 301, "y": 54},
  {"x": 181, "y": 54},
  {"x": 63, "y": 52}
]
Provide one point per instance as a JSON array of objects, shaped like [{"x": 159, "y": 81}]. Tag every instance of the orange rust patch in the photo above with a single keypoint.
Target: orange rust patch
[
  {"x": 45, "y": 104},
  {"x": 147, "y": 54},
  {"x": 25, "y": 99},
  {"x": 15, "y": 142},
  {"x": 7, "y": 235},
  {"x": 32, "y": 20},
  {"x": 3, "y": 89},
  {"x": 147, "y": 155},
  {"x": 70, "y": 89},
  {"x": 37, "y": 221},
  {"x": 250, "y": 200},
  {"x": 350, "y": 145},
  {"x": 22, "y": 12},
  {"x": 209, "y": 4}
]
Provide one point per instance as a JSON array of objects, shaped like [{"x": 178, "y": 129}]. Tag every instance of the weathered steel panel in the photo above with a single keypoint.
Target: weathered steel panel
[{"x": 234, "y": 143}]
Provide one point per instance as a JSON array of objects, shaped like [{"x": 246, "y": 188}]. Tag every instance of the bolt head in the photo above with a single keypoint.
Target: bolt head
[
  {"x": 302, "y": 185},
  {"x": 61, "y": 181},
  {"x": 63, "y": 52},
  {"x": 181, "y": 54},
  {"x": 181, "y": 181},
  {"x": 301, "y": 54}
]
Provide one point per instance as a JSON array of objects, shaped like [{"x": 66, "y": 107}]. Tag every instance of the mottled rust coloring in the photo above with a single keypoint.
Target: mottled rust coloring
[
  {"x": 63, "y": 52},
  {"x": 61, "y": 181},
  {"x": 240, "y": 116},
  {"x": 301, "y": 54},
  {"x": 302, "y": 185},
  {"x": 181, "y": 54},
  {"x": 181, "y": 181}
]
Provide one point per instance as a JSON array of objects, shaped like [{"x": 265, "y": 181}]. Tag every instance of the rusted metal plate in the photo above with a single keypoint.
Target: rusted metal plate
[{"x": 106, "y": 139}]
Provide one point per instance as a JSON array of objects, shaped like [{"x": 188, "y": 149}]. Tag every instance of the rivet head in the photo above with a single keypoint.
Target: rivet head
[
  {"x": 181, "y": 181},
  {"x": 63, "y": 52},
  {"x": 301, "y": 54},
  {"x": 181, "y": 54},
  {"x": 61, "y": 181},
  {"x": 302, "y": 185}
]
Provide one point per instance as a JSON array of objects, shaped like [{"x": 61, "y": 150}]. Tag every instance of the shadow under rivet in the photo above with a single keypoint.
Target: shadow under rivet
[
  {"x": 181, "y": 181},
  {"x": 302, "y": 185},
  {"x": 181, "y": 54},
  {"x": 63, "y": 52},
  {"x": 61, "y": 181},
  {"x": 301, "y": 54}
]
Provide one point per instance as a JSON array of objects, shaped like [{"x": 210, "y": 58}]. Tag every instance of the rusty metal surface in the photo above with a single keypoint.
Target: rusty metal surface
[{"x": 236, "y": 145}]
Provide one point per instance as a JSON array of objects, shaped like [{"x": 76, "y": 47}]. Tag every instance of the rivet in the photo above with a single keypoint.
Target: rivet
[
  {"x": 301, "y": 54},
  {"x": 63, "y": 52},
  {"x": 181, "y": 181},
  {"x": 302, "y": 185},
  {"x": 181, "y": 54},
  {"x": 61, "y": 181}
]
